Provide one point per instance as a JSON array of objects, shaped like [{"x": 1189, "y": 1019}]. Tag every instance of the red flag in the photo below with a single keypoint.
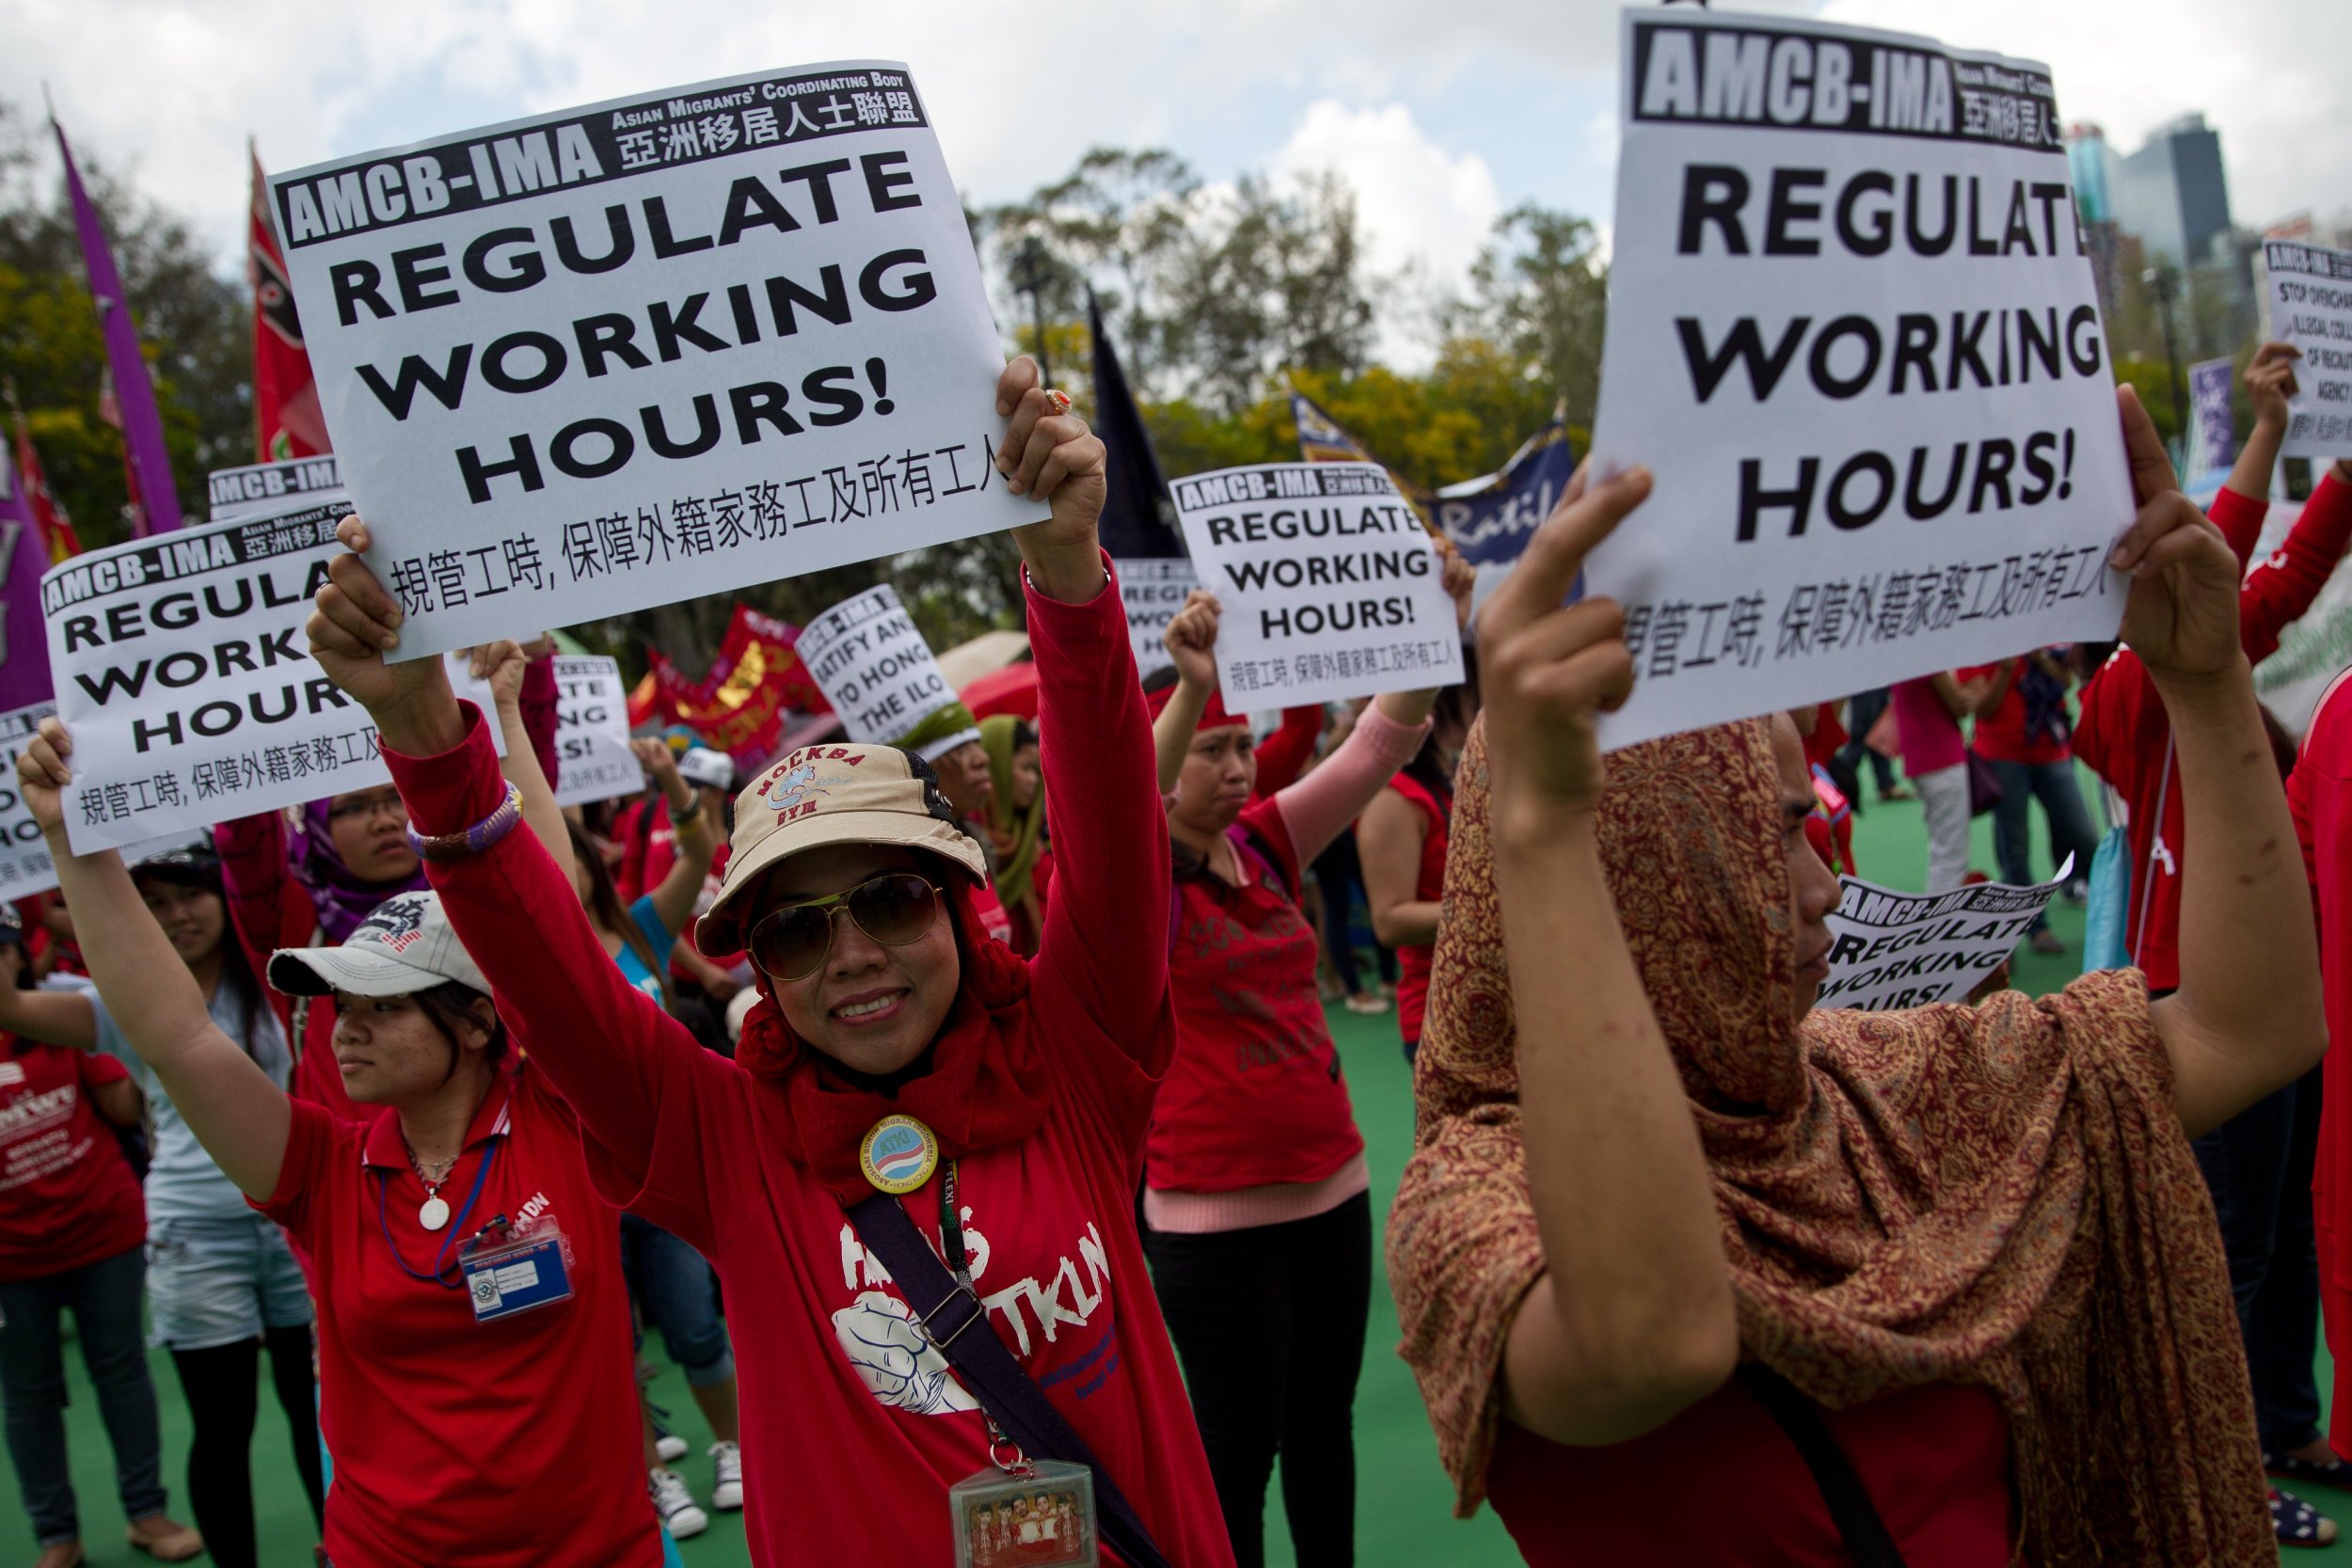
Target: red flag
[
  {"x": 286, "y": 417},
  {"x": 739, "y": 706},
  {"x": 56, "y": 530}
]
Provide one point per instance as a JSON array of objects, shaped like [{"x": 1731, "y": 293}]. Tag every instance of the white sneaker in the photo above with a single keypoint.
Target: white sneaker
[
  {"x": 726, "y": 1476},
  {"x": 669, "y": 1446},
  {"x": 676, "y": 1504}
]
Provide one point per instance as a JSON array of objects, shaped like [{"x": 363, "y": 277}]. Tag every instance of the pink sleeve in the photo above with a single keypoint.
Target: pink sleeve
[{"x": 1318, "y": 808}]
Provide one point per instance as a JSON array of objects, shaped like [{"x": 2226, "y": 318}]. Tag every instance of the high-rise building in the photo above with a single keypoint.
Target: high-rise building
[
  {"x": 2173, "y": 193},
  {"x": 2092, "y": 166}
]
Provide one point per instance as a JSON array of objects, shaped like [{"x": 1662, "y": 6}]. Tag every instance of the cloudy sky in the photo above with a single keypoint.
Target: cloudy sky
[{"x": 1442, "y": 115}]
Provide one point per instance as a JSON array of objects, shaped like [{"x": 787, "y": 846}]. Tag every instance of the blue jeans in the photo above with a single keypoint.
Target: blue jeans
[
  {"x": 2053, "y": 784},
  {"x": 106, "y": 1298},
  {"x": 2258, "y": 1166},
  {"x": 677, "y": 1290}
]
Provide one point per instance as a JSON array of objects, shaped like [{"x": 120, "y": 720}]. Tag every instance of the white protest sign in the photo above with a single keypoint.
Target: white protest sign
[
  {"x": 1893, "y": 950},
  {"x": 186, "y": 678},
  {"x": 267, "y": 489},
  {"x": 867, "y": 657},
  {"x": 1853, "y": 334},
  {"x": 25, "y": 865},
  {"x": 1153, "y": 589},
  {"x": 594, "y": 361},
  {"x": 593, "y": 761},
  {"x": 2312, "y": 650},
  {"x": 1331, "y": 586},
  {"x": 2311, "y": 307}
]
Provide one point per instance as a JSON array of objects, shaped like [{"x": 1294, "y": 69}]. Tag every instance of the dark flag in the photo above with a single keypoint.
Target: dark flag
[
  {"x": 1138, "y": 517},
  {"x": 286, "y": 417},
  {"x": 1490, "y": 518}
]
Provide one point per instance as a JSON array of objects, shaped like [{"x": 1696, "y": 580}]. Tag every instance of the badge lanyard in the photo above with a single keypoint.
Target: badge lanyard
[
  {"x": 951, "y": 1230},
  {"x": 449, "y": 1238}
]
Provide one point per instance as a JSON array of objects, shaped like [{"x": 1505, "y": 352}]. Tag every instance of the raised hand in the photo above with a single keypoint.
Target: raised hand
[
  {"x": 1548, "y": 670},
  {"x": 502, "y": 664},
  {"x": 1459, "y": 576},
  {"x": 2270, "y": 381},
  {"x": 1191, "y": 639},
  {"x": 42, "y": 774},
  {"x": 661, "y": 765},
  {"x": 2182, "y": 616},
  {"x": 1049, "y": 454},
  {"x": 355, "y": 620}
]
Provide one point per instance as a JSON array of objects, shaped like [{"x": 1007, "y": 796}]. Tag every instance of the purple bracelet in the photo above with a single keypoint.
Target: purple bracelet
[{"x": 474, "y": 840}]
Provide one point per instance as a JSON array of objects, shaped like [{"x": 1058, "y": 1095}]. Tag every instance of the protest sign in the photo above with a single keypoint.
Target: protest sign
[
  {"x": 1490, "y": 518},
  {"x": 2212, "y": 435},
  {"x": 874, "y": 667},
  {"x": 593, "y": 761},
  {"x": 1331, "y": 586},
  {"x": 1892, "y": 949},
  {"x": 25, "y": 865},
  {"x": 184, "y": 675},
  {"x": 594, "y": 361},
  {"x": 2309, "y": 300},
  {"x": 2315, "y": 647},
  {"x": 1155, "y": 590},
  {"x": 266, "y": 489},
  {"x": 1853, "y": 334}
]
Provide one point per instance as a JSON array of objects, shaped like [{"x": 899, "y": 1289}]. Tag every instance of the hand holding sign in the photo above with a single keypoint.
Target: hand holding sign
[
  {"x": 1548, "y": 670},
  {"x": 501, "y": 664},
  {"x": 1191, "y": 639},
  {"x": 2270, "y": 382},
  {"x": 1050, "y": 454},
  {"x": 2182, "y": 616},
  {"x": 41, "y": 773},
  {"x": 355, "y": 623}
]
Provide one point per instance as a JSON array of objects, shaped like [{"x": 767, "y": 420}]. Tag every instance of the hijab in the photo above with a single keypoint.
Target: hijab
[
  {"x": 342, "y": 896},
  {"x": 1020, "y": 835},
  {"x": 1999, "y": 1196}
]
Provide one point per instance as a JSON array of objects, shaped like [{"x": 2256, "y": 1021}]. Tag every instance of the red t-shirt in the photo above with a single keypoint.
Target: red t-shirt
[
  {"x": 68, "y": 1198},
  {"x": 2000, "y": 734},
  {"x": 501, "y": 1444},
  {"x": 2123, "y": 733},
  {"x": 2319, "y": 793},
  {"x": 1934, "y": 1461},
  {"x": 1254, "y": 1096},
  {"x": 852, "y": 1430},
  {"x": 1828, "y": 738},
  {"x": 1412, "y": 961}
]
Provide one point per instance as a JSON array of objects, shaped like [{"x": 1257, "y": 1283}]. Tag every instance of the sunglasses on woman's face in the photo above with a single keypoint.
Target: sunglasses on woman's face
[{"x": 895, "y": 909}]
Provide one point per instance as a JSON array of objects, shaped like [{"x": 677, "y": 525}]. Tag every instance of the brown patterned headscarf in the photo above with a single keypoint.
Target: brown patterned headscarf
[{"x": 1998, "y": 1195}]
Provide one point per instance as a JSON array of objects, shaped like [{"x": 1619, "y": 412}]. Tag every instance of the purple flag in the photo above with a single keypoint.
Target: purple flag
[
  {"x": 24, "y": 645},
  {"x": 156, "y": 500}
]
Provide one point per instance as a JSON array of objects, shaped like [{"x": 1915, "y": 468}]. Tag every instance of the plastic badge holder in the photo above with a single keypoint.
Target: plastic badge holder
[
  {"x": 518, "y": 1276},
  {"x": 1040, "y": 1516}
]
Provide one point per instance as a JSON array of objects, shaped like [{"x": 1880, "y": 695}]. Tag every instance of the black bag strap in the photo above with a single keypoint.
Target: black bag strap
[
  {"x": 1864, "y": 1533},
  {"x": 1007, "y": 1394}
]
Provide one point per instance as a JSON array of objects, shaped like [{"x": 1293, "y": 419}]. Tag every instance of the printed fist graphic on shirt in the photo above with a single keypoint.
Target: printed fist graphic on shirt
[{"x": 879, "y": 1334}]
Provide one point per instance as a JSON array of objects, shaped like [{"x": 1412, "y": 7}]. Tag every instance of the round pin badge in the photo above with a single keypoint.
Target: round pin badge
[{"x": 898, "y": 1155}]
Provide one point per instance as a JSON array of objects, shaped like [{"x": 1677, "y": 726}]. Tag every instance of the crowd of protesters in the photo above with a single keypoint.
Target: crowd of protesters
[{"x": 957, "y": 1105}]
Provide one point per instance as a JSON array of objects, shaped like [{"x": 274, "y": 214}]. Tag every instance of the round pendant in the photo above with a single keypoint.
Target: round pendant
[
  {"x": 433, "y": 1212},
  {"x": 898, "y": 1155}
]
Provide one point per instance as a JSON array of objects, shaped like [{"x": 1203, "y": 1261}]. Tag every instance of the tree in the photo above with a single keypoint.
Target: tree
[
  {"x": 1540, "y": 292},
  {"x": 192, "y": 323}
]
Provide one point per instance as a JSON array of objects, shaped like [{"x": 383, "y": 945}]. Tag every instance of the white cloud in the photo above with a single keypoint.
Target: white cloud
[{"x": 1417, "y": 202}]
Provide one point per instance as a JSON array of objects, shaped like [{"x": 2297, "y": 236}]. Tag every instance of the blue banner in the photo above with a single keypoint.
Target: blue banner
[
  {"x": 1490, "y": 519},
  {"x": 2212, "y": 440}
]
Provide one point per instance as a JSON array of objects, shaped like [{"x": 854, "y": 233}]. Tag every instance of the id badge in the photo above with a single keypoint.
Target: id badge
[
  {"x": 1040, "y": 1514},
  {"x": 514, "y": 1277}
]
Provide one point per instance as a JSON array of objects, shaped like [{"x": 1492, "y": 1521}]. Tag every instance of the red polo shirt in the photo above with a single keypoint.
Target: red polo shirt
[
  {"x": 853, "y": 1431},
  {"x": 500, "y": 1445},
  {"x": 68, "y": 1198},
  {"x": 2319, "y": 793}
]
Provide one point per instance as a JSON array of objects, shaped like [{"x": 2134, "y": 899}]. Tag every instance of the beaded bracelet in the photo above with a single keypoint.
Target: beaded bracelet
[{"x": 474, "y": 840}]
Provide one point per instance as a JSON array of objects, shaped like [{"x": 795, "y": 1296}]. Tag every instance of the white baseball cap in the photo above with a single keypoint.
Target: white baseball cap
[{"x": 407, "y": 944}]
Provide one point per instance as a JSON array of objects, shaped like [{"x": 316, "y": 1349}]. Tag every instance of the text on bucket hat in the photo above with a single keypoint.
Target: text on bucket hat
[{"x": 821, "y": 795}]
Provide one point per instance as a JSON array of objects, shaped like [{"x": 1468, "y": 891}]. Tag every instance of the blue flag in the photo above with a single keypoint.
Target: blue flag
[{"x": 1490, "y": 519}]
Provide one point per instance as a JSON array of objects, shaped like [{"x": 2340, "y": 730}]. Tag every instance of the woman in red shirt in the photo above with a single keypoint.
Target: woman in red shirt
[
  {"x": 1952, "y": 1267},
  {"x": 2023, "y": 730},
  {"x": 477, "y": 1388},
  {"x": 72, "y": 1233},
  {"x": 1403, "y": 837},
  {"x": 1256, "y": 1190},
  {"x": 895, "y": 1050}
]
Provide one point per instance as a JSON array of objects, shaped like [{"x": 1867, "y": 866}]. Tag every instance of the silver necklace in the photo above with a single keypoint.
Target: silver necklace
[{"x": 433, "y": 1212}]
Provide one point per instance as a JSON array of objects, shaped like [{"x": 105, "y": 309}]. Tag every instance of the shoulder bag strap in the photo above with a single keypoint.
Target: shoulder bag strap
[
  {"x": 1849, "y": 1506},
  {"x": 1010, "y": 1396}
]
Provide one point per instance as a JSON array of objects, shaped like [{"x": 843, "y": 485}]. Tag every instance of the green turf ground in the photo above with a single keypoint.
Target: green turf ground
[{"x": 1403, "y": 1502}]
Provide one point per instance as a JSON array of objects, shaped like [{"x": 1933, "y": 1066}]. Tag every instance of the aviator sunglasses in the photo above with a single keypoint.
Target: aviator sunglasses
[{"x": 895, "y": 909}]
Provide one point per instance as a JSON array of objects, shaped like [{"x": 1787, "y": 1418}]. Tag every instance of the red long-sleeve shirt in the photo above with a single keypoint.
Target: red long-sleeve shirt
[
  {"x": 2124, "y": 732},
  {"x": 852, "y": 1430},
  {"x": 2319, "y": 794},
  {"x": 1282, "y": 756}
]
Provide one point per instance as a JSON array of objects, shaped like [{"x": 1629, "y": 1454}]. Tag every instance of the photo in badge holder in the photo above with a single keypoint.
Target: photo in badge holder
[
  {"x": 517, "y": 1274},
  {"x": 1040, "y": 1516}
]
